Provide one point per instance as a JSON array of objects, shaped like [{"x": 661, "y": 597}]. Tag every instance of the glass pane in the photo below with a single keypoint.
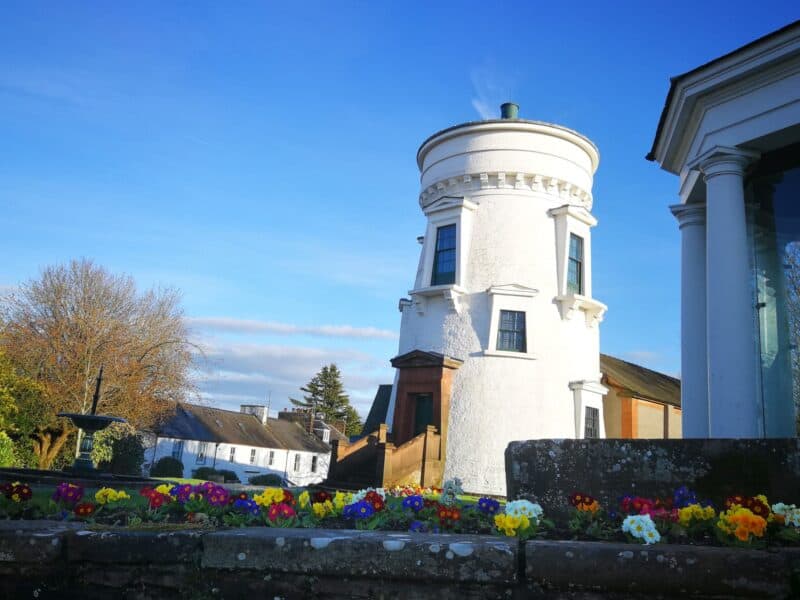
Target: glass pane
[
  {"x": 444, "y": 260},
  {"x": 776, "y": 247},
  {"x": 575, "y": 247}
]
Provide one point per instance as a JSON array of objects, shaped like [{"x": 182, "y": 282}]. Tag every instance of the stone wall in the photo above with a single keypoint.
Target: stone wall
[
  {"x": 40, "y": 559},
  {"x": 547, "y": 471}
]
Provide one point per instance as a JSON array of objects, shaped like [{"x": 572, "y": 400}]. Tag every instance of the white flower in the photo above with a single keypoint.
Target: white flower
[
  {"x": 524, "y": 507},
  {"x": 642, "y": 528},
  {"x": 361, "y": 494},
  {"x": 789, "y": 512}
]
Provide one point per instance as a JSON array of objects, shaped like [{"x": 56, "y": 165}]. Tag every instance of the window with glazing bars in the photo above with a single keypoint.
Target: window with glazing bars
[
  {"x": 177, "y": 449},
  {"x": 575, "y": 266},
  {"x": 271, "y": 458},
  {"x": 444, "y": 259},
  {"x": 201, "y": 453},
  {"x": 253, "y": 456},
  {"x": 296, "y": 462},
  {"x": 233, "y": 454},
  {"x": 592, "y": 423},
  {"x": 511, "y": 331},
  {"x": 313, "y": 464}
]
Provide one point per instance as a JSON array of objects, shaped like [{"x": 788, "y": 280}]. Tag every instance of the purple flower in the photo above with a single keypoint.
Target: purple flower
[
  {"x": 488, "y": 506},
  {"x": 68, "y": 493},
  {"x": 182, "y": 492},
  {"x": 683, "y": 497},
  {"x": 415, "y": 503},
  {"x": 218, "y": 496}
]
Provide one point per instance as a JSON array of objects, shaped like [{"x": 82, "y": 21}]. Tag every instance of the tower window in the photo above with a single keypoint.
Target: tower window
[
  {"x": 511, "y": 331},
  {"x": 575, "y": 265},
  {"x": 591, "y": 429},
  {"x": 444, "y": 259}
]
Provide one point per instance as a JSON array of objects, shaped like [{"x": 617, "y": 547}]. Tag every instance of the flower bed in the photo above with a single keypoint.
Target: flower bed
[{"x": 681, "y": 518}]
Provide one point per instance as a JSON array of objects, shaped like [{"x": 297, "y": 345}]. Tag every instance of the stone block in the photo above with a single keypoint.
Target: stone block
[
  {"x": 547, "y": 471},
  {"x": 362, "y": 554},
  {"x": 37, "y": 542},
  {"x": 660, "y": 569},
  {"x": 134, "y": 547}
]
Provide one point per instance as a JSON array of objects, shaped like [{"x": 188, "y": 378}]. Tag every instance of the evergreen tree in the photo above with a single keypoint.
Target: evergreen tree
[{"x": 325, "y": 394}]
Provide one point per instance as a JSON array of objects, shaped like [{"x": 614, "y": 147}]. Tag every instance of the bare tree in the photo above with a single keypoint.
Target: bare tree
[{"x": 60, "y": 328}]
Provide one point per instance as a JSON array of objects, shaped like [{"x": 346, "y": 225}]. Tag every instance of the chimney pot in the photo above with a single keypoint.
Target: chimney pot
[{"x": 509, "y": 110}]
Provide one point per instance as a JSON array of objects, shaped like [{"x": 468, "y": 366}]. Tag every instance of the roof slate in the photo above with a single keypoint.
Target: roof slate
[
  {"x": 208, "y": 424},
  {"x": 639, "y": 381}
]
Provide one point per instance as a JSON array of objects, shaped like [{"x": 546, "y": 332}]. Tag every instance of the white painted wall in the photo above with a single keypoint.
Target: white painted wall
[
  {"x": 510, "y": 254},
  {"x": 282, "y": 462}
]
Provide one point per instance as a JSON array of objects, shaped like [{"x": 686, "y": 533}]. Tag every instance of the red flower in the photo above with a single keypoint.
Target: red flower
[
  {"x": 84, "y": 509},
  {"x": 157, "y": 499},
  {"x": 321, "y": 497},
  {"x": 288, "y": 497},
  {"x": 280, "y": 510}
]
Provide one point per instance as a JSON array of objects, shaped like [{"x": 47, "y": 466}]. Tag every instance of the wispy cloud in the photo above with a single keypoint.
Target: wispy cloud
[
  {"x": 53, "y": 85},
  {"x": 233, "y": 325},
  {"x": 232, "y": 373},
  {"x": 491, "y": 88},
  {"x": 643, "y": 356}
]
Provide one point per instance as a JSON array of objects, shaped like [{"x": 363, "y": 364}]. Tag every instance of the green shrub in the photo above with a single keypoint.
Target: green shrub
[
  {"x": 167, "y": 466},
  {"x": 269, "y": 479},
  {"x": 119, "y": 449},
  {"x": 8, "y": 455},
  {"x": 211, "y": 474}
]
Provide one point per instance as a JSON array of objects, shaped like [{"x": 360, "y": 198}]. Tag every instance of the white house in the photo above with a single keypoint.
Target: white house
[
  {"x": 502, "y": 305},
  {"x": 730, "y": 130},
  {"x": 246, "y": 442}
]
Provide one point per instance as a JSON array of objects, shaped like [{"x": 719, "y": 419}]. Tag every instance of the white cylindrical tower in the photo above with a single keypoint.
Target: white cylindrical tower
[{"x": 504, "y": 284}]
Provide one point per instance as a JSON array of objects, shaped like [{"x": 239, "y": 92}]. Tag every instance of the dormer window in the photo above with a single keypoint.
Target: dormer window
[
  {"x": 575, "y": 265},
  {"x": 444, "y": 259}
]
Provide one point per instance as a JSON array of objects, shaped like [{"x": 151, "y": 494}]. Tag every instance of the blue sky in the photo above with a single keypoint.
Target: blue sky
[{"x": 261, "y": 157}]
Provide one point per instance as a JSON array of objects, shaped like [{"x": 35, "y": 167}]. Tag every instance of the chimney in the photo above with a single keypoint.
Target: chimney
[{"x": 509, "y": 110}]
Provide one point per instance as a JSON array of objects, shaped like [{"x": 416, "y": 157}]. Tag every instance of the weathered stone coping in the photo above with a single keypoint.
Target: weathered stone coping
[{"x": 51, "y": 558}]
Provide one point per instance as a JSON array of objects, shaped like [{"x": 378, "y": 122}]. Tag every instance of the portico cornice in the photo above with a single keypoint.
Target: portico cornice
[{"x": 526, "y": 182}]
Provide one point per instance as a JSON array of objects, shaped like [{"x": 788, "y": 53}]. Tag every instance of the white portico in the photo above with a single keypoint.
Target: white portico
[
  {"x": 503, "y": 291},
  {"x": 730, "y": 131}
]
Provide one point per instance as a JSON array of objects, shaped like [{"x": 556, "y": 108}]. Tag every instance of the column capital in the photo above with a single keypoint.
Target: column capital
[
  {"x": 689, "y": 214},
  {"x": 723, "y": 160}
]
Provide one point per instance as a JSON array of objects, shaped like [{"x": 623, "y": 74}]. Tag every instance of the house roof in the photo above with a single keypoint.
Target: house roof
[
  {"x": 379, "y": 410},
  {"x": 639, "y": 381},
  {"x": 208, "y": 424}
]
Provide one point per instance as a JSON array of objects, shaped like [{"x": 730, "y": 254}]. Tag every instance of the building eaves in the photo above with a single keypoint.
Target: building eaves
[{"x": 676, "y": 81}]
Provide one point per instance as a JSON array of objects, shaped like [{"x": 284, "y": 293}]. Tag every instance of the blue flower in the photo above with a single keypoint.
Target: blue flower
[
  {"x": 247, "y": 507},
  {"x": 489, "y": 506},
  {"x": 359, "y": 510},
  {"x": 413, "y": 502},
  {"x": 417, "y": 526},
  {"x": 683, "y": 497}
]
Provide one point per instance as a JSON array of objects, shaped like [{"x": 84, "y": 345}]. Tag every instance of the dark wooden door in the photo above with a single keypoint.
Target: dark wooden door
[{"x": 423, "y": 412}]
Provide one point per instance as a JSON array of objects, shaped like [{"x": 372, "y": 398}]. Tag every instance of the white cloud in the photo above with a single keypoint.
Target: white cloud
[
  {"x": 491, "y": 88},
  {"x": 254, "y": 326}
]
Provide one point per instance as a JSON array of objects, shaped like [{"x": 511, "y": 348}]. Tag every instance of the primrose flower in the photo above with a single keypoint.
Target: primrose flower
[
  {"x": 531, "y": 510},
  {"x": 322, "y": 509},
  {"x": 642, "y": 528},
  {"x": 417, "y": 526},
  {"x": 304, "y": 499},
  {"x": 218, "y": 496},
  {"x": 789, "y": 514},
  {"x": 742, "y": 523},
  {"x": 359, "y": 510},
  {"x": 68, "y": 493},
  {"x": 280, "y": 511},
  {"x": 362, "y": 494},
  {"x": 247, "y": 506},
  {"x": 182, "y": 493},
  {"x": 269, "y": 496},
  {"x": 510, "y": 524},
  {"x": 17, "y": 492},
  {"x": 584, "y": 502},
  {"x": 415, "y": 503},
  {"x": 341, "y": 499},
  {"x": 488, "y": 506},
  {"x": 321, "y": 497},
  {"x": 694, "y": 513},
  {"x": 84, "y": 509},
  {"x": 164, "y": 488},
  {"x": 107, "y": 495}
]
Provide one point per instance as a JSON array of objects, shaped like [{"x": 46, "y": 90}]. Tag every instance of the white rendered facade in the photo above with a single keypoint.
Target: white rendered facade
[
  {"x": 517, "y": 192},
  {"x": 724, "y": 127},
  {"x": 297, "y": 467}
]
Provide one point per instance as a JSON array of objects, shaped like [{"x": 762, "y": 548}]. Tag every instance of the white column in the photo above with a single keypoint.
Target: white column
[
  {"x": 694, "y": 368},
  {"x": 734, "y": 399}
]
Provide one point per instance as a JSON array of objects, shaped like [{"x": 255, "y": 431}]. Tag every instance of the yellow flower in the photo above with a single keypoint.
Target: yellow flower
[
  {"x": 164, "y": 488},
  {"x": 341, "y": 499},
  {"x": 322, "y": 509},
  {"x": 106, "y": 495},
  {"x": 269, "y": 497},
  {"x": 303, "y": 499}
]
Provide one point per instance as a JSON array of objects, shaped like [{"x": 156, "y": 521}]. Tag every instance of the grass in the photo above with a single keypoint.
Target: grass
[{"x": 181, "y": 480}]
